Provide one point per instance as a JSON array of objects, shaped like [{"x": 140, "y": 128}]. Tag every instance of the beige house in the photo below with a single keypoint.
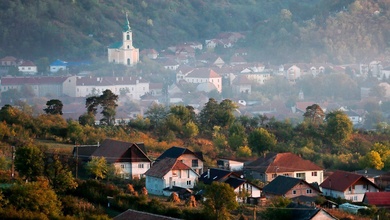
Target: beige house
[
  {"x": 123, "y": 52},
  {"x": 205, "y": 76}
]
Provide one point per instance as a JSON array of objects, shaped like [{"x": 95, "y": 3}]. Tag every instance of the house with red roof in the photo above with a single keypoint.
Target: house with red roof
[
  {"x": 129, "y": 159},
  {"x": 201, "y": 76},
  {"x": 242, "y": 85},
  {"x": 378, "y": 199},
  {"x": 347, "y": 185},
  {"x": 28, "y": 67},
  {"x": 271, "y": 165},
  {"x": 8, "y": 61},
  {"x": 168, "y": 173}
]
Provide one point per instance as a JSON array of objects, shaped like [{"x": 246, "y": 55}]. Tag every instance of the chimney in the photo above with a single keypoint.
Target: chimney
[{"x": 208, "y": 173}]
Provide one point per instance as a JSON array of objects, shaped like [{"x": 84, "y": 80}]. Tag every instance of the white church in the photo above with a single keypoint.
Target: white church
[{"x": 123, "y": 52}]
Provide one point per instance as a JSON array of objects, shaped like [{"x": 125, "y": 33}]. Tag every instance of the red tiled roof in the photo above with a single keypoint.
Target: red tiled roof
[
  {"x": 8, "y": 58},
  {"x": 282, "y": 162},
  {"x": 377, "y": 198},
  {"x": 203, "y": 73},
  {"x": 27, "y": 63},
  {"x": 341, "y": 180},
  {"x": 162, "y": 167}
]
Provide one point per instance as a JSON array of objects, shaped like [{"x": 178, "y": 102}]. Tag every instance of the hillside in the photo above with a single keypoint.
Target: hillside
[{"x": 330, "y": 30}]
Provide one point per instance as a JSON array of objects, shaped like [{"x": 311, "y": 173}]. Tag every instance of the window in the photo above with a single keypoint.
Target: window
[
  {"x": 188, "y": 182},
  {"x": 195, "y": 163},
  {"x": 128, "y": 37},
  {"x": 294, "y": 192},
  {"x": 314, "y": 173},
  {"x": 308, "y": 191},
  {"x": 300, "y": 175},
  {"x": 128, "y": 61},
  {"x": 141, "y": 165},
  {"x": 274, "y": 175},
  {"x": 122, "y": 166},
  {"x": 188, "y": 173},
  {"x": 286, "y": 174}
]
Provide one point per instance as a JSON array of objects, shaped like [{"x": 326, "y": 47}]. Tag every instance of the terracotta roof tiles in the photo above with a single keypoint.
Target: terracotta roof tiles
[{"x": 341, "y": 180}]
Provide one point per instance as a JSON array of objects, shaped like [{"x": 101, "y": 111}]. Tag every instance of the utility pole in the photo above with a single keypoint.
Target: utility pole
[
  {"x": 13, "y": 163},
  {"x": 77, "y": 159}
]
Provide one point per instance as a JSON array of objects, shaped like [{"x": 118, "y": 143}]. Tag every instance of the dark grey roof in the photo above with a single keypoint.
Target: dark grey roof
[
  {"x": 214, "y": 174},
  {"x": 235, "y": 182},
  {"x": 84, "y": 152},
  {"x": 282, "y": 184},
  {"x": 176, "y": 152},
  {"x": 120, "y": 151}
]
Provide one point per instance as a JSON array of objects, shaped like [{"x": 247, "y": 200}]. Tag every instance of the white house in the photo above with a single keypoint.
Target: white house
[
  {"x": 347, "y": 185},
  {"x": 185, "y": 155},
  {"x": 27, "y": 67},
  {"x": 58, "y": 65},
  {"x": 230, "y": 164},
  {"x": 293, "y": 73},
  {"x": 201, "y": 76},
  {"x": 169, "y": 172},
  {"x": 130, "y": 86}
]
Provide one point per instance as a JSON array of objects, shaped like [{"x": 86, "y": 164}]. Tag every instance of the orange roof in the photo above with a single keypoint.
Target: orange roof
[
  {"x": 341, "y": 180},
  {"x": 203, "y": 73},
  {"x": 282, "y": 162}
]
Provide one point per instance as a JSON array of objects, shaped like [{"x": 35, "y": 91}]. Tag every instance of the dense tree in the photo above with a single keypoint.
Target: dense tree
[
  {"x": 260, "y": 140},
  {"x": 214, "y": 114},
  {"x": 339, "y": 127},
  {"x": 314, "y": 114},
  {"x": 108, "y": 102},
  {"x": 29, "y": 162},
  {"x": 54, "y": 107},
  {"x": 372, "y": 160},
  {"x": 220, "y": 200},
  {"x": 190, "y": 130},
  {"x": 58, "y": 174},
  {"x": 35, "y": 196},
  {"x": 156, "y": 114},
  {"x": 98, "y": 167}
]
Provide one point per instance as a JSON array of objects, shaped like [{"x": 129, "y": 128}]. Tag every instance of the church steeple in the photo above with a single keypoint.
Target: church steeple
[{"x": 126, "y": 27}]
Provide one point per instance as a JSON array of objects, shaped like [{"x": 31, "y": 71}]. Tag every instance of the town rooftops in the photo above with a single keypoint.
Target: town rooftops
[{"x": 108, "y": 81}]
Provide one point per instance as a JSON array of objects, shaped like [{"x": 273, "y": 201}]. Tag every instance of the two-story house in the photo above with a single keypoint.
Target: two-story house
[
  {"x": 185, "y": 155},
  {"x": 271, "y": 165},
  {"x": 346, "y": 185},
  {"x": 129, "y": 159},
  {"x": 167, "y": 173}
]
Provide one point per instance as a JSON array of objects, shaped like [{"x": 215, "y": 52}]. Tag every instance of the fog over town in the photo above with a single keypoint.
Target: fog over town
[{"x": 195, "y": 109}]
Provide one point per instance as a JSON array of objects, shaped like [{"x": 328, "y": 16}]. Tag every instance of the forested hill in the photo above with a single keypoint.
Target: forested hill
[{"x": 324, "y": 30}]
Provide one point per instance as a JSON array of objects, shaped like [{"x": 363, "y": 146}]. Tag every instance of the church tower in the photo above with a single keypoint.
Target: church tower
[{"x": 124, "y": 52}]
